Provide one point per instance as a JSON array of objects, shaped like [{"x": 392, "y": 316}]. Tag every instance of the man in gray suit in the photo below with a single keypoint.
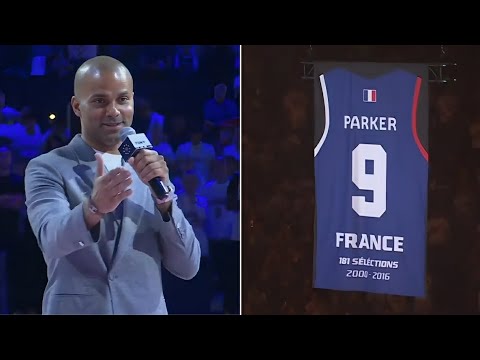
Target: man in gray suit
[{"x": 102, "y": 232}]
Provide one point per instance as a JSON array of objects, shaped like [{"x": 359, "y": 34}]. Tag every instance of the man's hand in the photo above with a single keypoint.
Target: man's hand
[
  {"x": 149, "y": 164},
  {"x": 110, "y": 189}
]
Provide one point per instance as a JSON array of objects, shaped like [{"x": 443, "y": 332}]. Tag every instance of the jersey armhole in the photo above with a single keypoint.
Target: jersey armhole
[
  {"x": 322, "y": 123},
  {"x": 416, "y": 98}
]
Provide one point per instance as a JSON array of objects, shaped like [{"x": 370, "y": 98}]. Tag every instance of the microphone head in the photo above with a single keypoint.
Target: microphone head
[
  {"x": 125, "y": 132},
  {"x": 132, "y": 143}
]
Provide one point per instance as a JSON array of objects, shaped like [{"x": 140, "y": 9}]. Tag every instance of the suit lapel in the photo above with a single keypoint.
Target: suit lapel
[{"x": 84, "y": 155}]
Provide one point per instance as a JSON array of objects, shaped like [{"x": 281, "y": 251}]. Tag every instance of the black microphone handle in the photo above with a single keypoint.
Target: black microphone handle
[
  {"x": 159, "y": 188},
  {"x": 131, "y": 147}
]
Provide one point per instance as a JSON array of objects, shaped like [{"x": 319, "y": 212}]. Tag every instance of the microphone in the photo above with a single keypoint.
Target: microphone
[{"x": 132, "y": 143}]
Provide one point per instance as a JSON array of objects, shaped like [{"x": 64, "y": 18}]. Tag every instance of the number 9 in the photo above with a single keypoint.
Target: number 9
[{"x": 376, "y": 182}]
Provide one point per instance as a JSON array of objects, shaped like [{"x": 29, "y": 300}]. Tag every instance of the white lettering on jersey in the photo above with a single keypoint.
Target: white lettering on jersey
[
  {"x": 377, "y": 123},
  {"x": 370, "y": 242}
]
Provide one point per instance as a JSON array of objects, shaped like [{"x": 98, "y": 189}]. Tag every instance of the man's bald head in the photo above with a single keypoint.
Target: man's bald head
[
  {"x": 103, "y": 101},
  {"x": 96, "y": 67}
]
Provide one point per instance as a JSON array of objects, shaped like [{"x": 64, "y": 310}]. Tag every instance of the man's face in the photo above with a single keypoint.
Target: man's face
[{"x": 104, "y": 104}]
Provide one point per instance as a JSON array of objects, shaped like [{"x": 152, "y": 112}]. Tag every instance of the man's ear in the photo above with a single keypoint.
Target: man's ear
[{"x": 75, "y": 106}]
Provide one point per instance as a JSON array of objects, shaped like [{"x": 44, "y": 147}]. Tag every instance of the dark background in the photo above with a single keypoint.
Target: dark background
[{"x": 278, "y": 190}]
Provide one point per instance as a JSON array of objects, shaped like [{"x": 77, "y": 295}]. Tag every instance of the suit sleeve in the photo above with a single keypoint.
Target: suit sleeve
[
  {"x": 59, "y": 229},
  {"x": 179, "y": 246}
]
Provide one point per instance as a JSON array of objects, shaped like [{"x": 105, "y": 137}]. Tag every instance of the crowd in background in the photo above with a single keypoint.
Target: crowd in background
[{"x": 186, "y": 101}]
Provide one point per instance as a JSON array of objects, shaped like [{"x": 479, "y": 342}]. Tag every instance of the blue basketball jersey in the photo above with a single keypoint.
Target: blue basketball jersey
[{"x": 371, "y": 182}]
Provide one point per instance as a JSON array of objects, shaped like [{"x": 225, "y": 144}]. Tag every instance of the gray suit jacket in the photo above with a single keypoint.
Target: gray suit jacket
[{"x": 116, "y": 267}]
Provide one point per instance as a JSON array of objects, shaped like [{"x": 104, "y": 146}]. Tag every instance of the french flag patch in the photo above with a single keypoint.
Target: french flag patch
[{"x": 369, "y": 95}]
